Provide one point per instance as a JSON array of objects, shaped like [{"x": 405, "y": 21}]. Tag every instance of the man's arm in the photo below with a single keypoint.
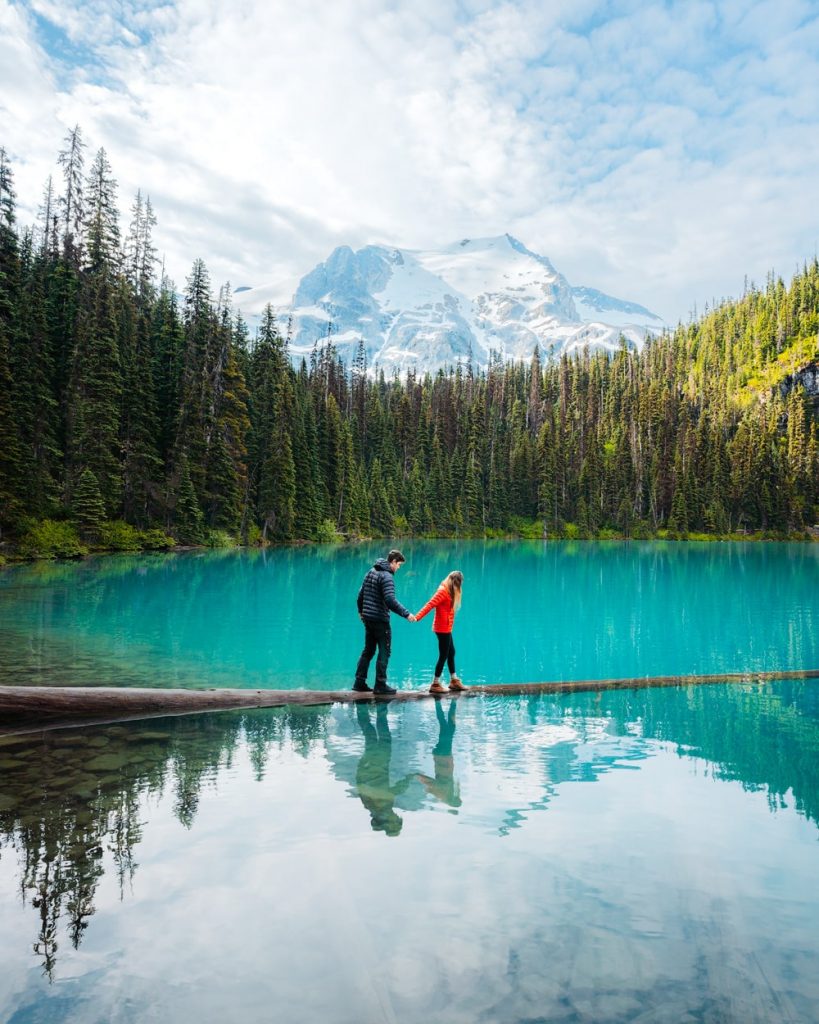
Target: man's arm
[
  {"x": 360, "y": 601},
  {"x": 390, "y": 600}
]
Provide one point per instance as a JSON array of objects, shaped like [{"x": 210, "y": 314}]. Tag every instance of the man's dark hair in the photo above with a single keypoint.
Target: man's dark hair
[{"x": 395, "y": 556}]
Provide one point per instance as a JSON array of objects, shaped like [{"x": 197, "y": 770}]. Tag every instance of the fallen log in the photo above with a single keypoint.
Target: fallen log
[{"x": 47, "y": 706}]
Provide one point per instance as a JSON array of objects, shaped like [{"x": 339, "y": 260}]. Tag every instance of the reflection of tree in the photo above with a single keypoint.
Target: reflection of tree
[
  {"x": 72, "y": 797},
  {"x": 765, "y": 737},
  {"x": 125, "y": 833},
  {"x": 87, "y": 604}
]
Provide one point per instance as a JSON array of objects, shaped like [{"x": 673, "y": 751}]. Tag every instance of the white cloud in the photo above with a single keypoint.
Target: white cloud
[{"x": 661, "y": 152}]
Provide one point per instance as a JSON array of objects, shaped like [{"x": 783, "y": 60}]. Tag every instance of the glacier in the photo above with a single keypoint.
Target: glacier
[{"x": 426, "y": 310}]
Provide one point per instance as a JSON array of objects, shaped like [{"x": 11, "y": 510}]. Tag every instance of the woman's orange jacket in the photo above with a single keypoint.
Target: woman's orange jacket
[{"x": 444, "y": 611}]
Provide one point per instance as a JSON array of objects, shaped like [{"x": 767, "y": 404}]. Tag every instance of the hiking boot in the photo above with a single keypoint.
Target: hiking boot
[
  {"x": 456, "y": 684},
  {"x": 382, "y": 688},
  {"x": 361, "y": 687},
  {"x": 436, "y": 687}
]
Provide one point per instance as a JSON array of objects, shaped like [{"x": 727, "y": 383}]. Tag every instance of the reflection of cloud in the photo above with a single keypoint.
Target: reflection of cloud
[
  {"x": 649, "y": 150},
  {"x": 549, "y": 734}
]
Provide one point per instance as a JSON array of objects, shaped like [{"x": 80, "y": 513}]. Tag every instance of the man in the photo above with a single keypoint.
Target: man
[{"x": 376, "y": 599}]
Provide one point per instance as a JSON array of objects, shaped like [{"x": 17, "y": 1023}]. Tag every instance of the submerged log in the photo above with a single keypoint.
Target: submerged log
[{"x": 47, "y": 706}]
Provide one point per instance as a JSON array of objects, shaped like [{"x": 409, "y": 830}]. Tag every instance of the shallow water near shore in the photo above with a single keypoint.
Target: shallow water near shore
[
  {"x": 618, "y": 856},
  {"x": 532, "y": 611}
]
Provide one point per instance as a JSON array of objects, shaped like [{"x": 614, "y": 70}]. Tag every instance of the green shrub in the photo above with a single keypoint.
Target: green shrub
[
  {"x": 219, "y": 539},
  {"x": 51, "y": 539},
  {"x": 253, "y": 537},
  {"x": 605, "y": 533},
  {"x": 155, "y": 540},
  {"x": 528, "y": 529},
  {"x": 495, "y": 533},
  {"x": 327, "y": 533},
  {"x": 119, "y": 536},
  {"x": 571, "y": 531}
]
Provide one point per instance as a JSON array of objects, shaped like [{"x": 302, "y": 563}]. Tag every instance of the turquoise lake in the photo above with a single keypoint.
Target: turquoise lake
[
  {"x": 286, "y": 618},
  {"x": 622, "y": 856}
]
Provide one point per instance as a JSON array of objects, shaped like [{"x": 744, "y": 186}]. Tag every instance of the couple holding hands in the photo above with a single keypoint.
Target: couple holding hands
[{"x": 376, "y": 599}]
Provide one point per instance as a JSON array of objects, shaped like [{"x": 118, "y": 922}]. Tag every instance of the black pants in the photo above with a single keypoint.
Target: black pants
[
  {"x": 446, "y": 653},
  {"x": 377, "y": 634}
]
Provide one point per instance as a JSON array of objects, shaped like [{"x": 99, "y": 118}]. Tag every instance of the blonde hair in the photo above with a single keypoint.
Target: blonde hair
[{"x": 453, "y": 583}]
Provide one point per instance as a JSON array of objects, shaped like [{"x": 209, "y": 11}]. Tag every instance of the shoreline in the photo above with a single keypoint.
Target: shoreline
[{"x": 810, "y": 535}]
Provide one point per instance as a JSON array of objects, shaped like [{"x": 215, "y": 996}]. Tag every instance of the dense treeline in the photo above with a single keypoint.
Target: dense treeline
[{"x": 125, "y": 406}]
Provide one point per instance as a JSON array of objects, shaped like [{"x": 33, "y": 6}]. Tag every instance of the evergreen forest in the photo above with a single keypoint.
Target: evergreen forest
[{"x": 135, "y": 415}]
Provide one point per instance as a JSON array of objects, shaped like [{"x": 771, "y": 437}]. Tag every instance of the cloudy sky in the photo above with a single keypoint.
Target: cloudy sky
[{"x": 659, "y": 151}]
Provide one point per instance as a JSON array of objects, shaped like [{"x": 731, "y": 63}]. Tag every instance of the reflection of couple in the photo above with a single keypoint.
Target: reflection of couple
[
  {"x": 443, "y": 786},
  {"x": 373, "y": 774},
  {"x": 376, "y": 599}
]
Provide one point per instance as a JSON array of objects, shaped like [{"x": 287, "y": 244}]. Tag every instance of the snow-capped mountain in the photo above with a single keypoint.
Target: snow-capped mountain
[{"x": 431, "y": 309}]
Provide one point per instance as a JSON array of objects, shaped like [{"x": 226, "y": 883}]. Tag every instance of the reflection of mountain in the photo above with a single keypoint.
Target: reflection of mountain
[{"x": 72, "y": 801}]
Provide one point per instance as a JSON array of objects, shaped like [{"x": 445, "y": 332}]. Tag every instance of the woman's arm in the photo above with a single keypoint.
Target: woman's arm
[{"x": 436, "y": 599}]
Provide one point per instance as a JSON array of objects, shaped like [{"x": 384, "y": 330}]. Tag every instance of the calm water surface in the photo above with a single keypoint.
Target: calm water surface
[
  {"x": 644, "y": 856},
  {"x": 531, "y": 612}
]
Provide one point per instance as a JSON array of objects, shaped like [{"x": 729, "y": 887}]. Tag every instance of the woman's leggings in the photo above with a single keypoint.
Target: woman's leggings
[{"x": 446, "y": 653}]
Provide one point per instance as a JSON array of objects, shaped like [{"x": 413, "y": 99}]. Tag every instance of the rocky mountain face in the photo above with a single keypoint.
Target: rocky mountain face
[{"x": 425, "y": 310}]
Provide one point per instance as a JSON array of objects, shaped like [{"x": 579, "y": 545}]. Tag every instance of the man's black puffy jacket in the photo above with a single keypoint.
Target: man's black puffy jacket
[{"x": 377, "y": 594}]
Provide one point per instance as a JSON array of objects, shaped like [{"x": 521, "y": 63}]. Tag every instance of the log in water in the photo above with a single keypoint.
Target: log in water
[{"x": 48, "y": 706}]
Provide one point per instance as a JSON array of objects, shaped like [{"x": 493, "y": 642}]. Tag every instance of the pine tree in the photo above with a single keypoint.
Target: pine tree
[
  {"x": 272, "y": 470},
  {"x": 382, "y": 514},
  {"x": 139, "y": 422},
  {"x": 188, "y": 522},
  {"x": 309, "y": 507},
  {"x": 438, "y": 490},
  {"x": 545, "y": 476},
  {"x": 11, "y": 454},
  {"x": 278, "y": 492},
  {"x": 196, "y": 402},
  {"x": 37, "y": 409},
  {"x": 95, "y": 389},
  {"x": 473, "y": 494},
  {"x": 226, "y": 478},
  {"x": 88, "y": 506},
  {"x": 167, "y": 349},
  {"x": 416, "y": 499},
  {"x": 72, "y": 160}
]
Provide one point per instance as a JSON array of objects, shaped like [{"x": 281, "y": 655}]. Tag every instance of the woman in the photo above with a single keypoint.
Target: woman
[{"x": 446, "y": 601}]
